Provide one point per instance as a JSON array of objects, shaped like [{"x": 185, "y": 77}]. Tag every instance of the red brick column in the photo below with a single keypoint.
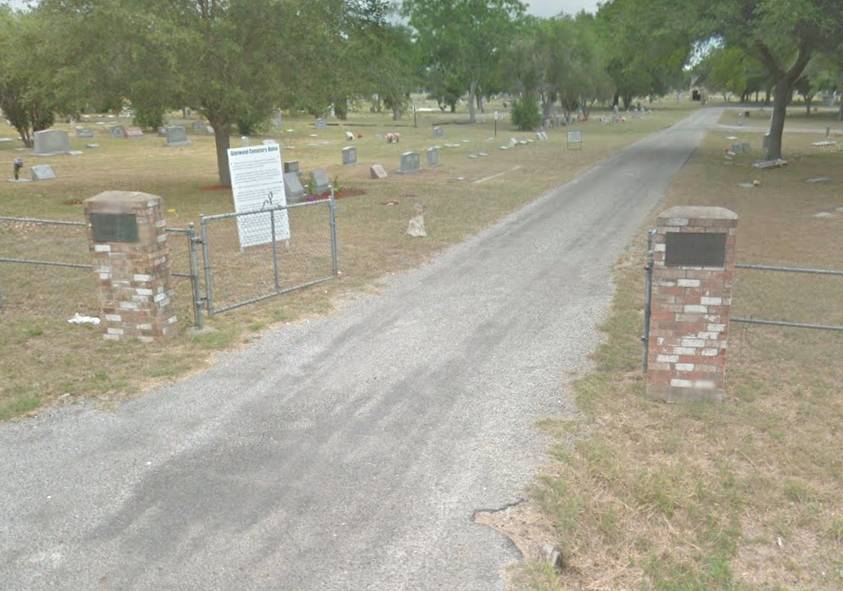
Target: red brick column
[
  {"x": 693, "y": 273},
  {"x": 131, "y": 258}
]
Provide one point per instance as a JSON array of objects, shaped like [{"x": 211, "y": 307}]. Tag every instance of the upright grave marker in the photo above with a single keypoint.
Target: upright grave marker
[
  {"x": 320, "y": 181},
  {"x": 51, "y": 142},
  {"x": 257, "y": 182},
  {"x": 128, "y": 242},
  {"x": 692, "y": 278},
  {"x": 410, "y": 162},
  {"x": 349, "y": 155},
  {"x": 177, "y": 136},
  {"x": 320, "y": 123},
  {"x": 433, "y": 157},
  {"x": 117, "y": 132},
  {"x": 575, "y": 139},
  {"x": 84, "y": 132},
  {"x": 438, "y": 132},
  {"x": 293, "y": 187}
]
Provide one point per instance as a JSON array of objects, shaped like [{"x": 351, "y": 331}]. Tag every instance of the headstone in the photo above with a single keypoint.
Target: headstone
[
  {"x": 416, "y": 227},
  {"x": 432, "y": 157},
  {"x": 245, "y": 141},
  {"x": 84, "y": 132},
  {"x": 117, "y": 131},
  {"x": 269, "y": 143},
  {"x": 51, "y": 142},
  {"x": 349, "y": 155},
  {"x": 162, "y": 132},
  {"x": 349, "y": 137},
  {"x": 43, "y": 172},
  {"x": 292, "y": 166},
  {"x": 134, "y": 132},
  {"x": 765, "y": 142},
  {"x": 200, "y": 126},
  {"x": 438, "y": 132},
  {"x": 320, "y": 123},
  {"x": 410, "y": 162},
  {"x": 575, "y": 139},
  {"x": 320, "y": 181},
  {"x": 377, "y": 171},
  {"x": 293, "y": 187},
  {"x": 177, "y": 136}
]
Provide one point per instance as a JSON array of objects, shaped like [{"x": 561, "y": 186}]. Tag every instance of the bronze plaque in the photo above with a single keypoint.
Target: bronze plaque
[
  {"x": 114, "y": 227},
  {"x": 695, "y": 250}
]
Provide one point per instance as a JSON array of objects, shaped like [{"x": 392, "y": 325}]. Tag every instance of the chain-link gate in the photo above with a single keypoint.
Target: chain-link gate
[{"x": 296, "y": 248}]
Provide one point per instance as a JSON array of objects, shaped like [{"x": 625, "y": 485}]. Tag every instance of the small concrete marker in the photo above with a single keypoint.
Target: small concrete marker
[{"x": 377, "y": 171}]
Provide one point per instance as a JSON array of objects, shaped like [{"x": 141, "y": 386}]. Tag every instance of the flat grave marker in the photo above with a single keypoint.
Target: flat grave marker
[{"x": 43, "y": 172}]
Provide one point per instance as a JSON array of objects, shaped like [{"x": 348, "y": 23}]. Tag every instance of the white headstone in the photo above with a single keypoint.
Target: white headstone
[{"x": 377, "y": 171}]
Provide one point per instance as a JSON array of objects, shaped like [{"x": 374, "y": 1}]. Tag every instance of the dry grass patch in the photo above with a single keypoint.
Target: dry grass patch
[
  {"x": 42, "y": 358},
  {"x": 740, "y": 495}
]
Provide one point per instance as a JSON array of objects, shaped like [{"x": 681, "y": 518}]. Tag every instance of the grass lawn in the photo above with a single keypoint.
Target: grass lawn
[
  {"x": 740, "y": 495},
  {"x": 42, "y": 358}
]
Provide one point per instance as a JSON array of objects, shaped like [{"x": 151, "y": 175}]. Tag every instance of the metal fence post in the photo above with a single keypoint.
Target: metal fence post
[
  {"x": 209, "y": 291},
  {"x": 332, "y": 207},
  {"x": 274, "y": 250},
  {"x": 198, "y": 319},
  {"x": 648, "y": 296}
]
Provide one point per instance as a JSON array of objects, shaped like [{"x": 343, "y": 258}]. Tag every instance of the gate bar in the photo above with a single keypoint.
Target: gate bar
[
  {"x": 788, "y": 324},
  {"x": 46, "y": 263},
  {"x": 789, "y": 269}
]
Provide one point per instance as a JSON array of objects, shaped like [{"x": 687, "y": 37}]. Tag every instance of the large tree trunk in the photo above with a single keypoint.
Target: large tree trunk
[
  {"x": 472, "y": 107},
  {"x": 222, "y": 139},
  {"x": 781, "y": 99},
  {"x": 783, "y": 95},
  {"x": 396, "y": 112}
]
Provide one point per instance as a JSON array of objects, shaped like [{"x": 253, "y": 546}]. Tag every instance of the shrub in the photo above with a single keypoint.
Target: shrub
[{"x": 526, "y": 113}]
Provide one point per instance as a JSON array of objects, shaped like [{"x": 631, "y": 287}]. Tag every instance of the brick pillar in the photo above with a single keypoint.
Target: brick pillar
[
  {"x": 693, "y": 273},
  {"x": 132, "y": 262}
]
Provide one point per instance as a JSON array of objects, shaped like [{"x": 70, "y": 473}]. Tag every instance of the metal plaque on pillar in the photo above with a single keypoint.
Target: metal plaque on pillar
[
  {"x": 114, "y": 227},
  {"x": 690, "y": 249}
]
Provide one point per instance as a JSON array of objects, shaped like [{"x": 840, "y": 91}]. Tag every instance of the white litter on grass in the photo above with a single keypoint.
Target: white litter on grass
[{"x": 80, "y": 319}]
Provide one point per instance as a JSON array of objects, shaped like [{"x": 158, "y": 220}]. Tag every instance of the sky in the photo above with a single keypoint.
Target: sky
[{"x": 554, "y": 7}]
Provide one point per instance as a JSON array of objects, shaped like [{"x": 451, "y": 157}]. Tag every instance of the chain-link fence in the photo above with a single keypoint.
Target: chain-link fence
[
  {"x": 45, "y": 268},
  {"x": 252, "y": 256}
]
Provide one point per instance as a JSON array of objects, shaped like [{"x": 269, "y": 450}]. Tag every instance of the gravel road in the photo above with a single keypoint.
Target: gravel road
[{"x": 347, "y": 452}]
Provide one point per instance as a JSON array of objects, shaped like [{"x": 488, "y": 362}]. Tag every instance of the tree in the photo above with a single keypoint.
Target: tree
[
  {"x": 647, "y": 44},
  {"x": 463, "y": 40},
  {"x": 218, "y": 57},
  {"x": 783, "y": 36},
  {"x": 28, "y": 95}
]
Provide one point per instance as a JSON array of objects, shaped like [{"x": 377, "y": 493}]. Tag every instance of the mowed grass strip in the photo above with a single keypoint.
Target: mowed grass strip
[
  {"x": 42, "y": 358},
  {"x": 740, "y": 495}
]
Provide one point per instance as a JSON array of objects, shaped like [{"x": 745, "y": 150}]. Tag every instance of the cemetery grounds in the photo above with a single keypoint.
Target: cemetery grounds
[
  {"x": 44, "y": 359},
  {"x": 740, "y": 495}
]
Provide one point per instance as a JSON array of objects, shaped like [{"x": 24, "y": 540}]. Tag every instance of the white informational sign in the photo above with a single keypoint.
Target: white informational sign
[{"x": 257, "y": 181}]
